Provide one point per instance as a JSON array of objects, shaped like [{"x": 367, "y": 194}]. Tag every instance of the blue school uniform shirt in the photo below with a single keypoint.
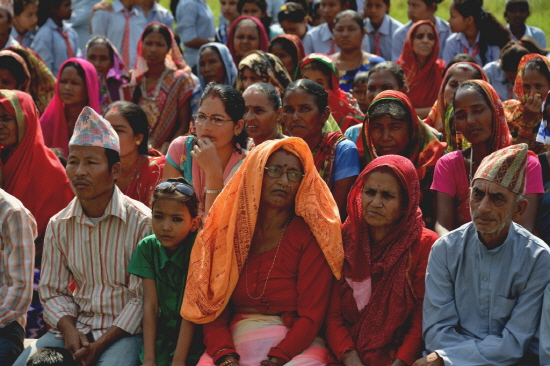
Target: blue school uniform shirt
[
  {"x": 536, "y": 33},
  {"x": 111, "y": 25},
  {"x": 159, "y": 13},
  {"x": 51, "y": 46},
  {"x": 346, "y": 162},
  {"x": 195, "y": 20},
  {"x": 80, "y": 20},
  {"x": 321, "y": 40},
  {"x": 457, "y": 43},
  {"x": 495, "y": 74},
  {"x": 25, "y": 39},
  {"x": 385, "y": 32},
  {"x": 400, "y": 35}
]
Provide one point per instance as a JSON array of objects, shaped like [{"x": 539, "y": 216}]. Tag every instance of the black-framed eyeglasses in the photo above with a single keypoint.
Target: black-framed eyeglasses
[
  {"x": 180, "y": 187},
  {"x": 276, "y": 171},
  {"x": 200, "y": 119}
]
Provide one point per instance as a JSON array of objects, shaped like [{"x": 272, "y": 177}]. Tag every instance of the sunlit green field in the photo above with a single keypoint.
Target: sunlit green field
[{"x": 539, "y": 11}]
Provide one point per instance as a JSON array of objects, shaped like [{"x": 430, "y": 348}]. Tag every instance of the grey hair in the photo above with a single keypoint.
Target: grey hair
[{"x": 388, "y": 107}]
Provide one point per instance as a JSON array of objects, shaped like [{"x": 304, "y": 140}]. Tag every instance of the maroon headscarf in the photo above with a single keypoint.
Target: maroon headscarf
[
  {"x": 377, "y": 295},
  {"x": 264, "y": 40}
]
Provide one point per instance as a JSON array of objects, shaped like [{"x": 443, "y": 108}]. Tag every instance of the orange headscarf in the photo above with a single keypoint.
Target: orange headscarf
[{"x": 221, "y": 248}]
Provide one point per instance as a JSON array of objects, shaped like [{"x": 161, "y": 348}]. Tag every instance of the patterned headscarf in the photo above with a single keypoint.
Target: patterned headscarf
[
  {"x": 298, "y": 52},
  {"x": 267, "y": 66},
  {"x": 221, "y": 248},
  {"x": 25, "y": 84},
  {"x": 42, "y": 81},
  {"x": 424, "y": 148}
]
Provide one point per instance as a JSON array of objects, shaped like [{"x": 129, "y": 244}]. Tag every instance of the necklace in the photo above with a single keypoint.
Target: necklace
[
  {"x": 133, "y": 170},
  {"x": 134, "y": 175},
  {"x": 272, "y": 264}
]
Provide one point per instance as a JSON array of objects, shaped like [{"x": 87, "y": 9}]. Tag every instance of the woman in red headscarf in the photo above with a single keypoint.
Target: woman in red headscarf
[
  {"x": 29, "y": 170},
  {"x": 246, "y": 34},
  {"x": 485, "y": 134},
  {"x": 423, "y": 69},
  {"x": 375, "y": 313}
]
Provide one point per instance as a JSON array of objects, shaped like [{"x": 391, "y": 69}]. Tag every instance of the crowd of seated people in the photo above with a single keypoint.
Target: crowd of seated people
[{"x": 294, "y": 183}]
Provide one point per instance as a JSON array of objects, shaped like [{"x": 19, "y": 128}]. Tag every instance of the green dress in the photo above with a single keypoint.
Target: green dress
[{"x": 151, "y": 260}]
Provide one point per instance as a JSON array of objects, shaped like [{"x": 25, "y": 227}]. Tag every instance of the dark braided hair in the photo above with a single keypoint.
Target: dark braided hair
[
  {"x": 234, "y": 107},
  {"x": 316, "y": 90},
  {"x": 491, "y": 31}
]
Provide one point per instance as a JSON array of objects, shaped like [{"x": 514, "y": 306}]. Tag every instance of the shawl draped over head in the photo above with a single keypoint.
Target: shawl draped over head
[
  {"x": 54, "y": 124},
  {"x": 423, "y": 83},
  {"x": 32, "y": 172},
  {"x": 436, "y": 117},
  {"x": 267, "y": 66},
  {"x": 264, "y": 39},
  {"x": 221, "y": 248},
  {"x": 513, "y": 108},
  {"x": 227, "y": 60},
  {"x": 42, "y": 81},
  {"x": 341, "y": 104},
  {"x": 21, "y": 61},
  {"x": 424, "y": 149},
  {"x": 295, "y": 42},
  {"x": 501, "y": 134},
  {"x": 118, "y": 72},
  {"x": 377, "y": 294}
]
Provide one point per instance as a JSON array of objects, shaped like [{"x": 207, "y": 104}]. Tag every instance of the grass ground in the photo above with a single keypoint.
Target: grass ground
[{"x": 539, "y": 11}]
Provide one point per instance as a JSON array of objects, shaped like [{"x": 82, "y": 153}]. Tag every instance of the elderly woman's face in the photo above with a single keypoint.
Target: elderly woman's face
[
  {"x": 8, "y": 129},
  {"x": 260, "y": 116},
  {"x": 389, "y": 135},
  {"x": 424, "y": 41},
  {"x": 211, "y": 66},
  {"x": 382, "y": 199},
  {"x": 247, "y": 38},
  {"x": 281, "y": 191}
]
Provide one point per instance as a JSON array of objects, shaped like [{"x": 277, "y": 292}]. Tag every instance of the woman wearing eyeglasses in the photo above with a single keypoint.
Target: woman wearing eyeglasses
[
  {"x": 261, "y": 269},
  {"x": 209, "y": 159}
]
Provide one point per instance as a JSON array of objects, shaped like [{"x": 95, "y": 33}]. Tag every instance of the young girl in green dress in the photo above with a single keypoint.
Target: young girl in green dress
[{"x": 162, "y": 261}]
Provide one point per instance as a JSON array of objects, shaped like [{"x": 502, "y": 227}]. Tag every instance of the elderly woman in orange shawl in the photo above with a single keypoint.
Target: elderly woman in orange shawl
[
  {"x": 261, "y": 270},
  {"x": 531, "y": 87},
  {"x": 423, "y": 70},
  {"x": 393, "y": 127}
]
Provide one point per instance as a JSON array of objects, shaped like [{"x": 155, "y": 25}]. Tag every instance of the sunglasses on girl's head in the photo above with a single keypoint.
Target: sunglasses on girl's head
[{"x": 180, "y": 187}]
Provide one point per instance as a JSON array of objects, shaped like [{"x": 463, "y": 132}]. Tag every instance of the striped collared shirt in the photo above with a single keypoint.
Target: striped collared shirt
[
  {"x": 95, "y": 256},
  {"x": 17, "y": 234}
]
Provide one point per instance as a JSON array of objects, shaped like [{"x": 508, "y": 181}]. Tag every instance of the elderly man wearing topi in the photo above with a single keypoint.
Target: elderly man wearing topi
[
  {"x": 90, "y": 243},
  {"x": 485, "y": 280}
]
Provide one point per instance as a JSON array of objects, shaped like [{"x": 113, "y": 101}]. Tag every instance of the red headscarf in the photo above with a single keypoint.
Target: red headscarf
[
  {"x": 423, "y": 84},
  {"x": 377, "y": 295},
  {"x": 54, "y": 124},
  {"x": 32, "y": 172},
  {"x": 424, "y": 149},
  {"x": 264, "y": 40},
  {"x": 296, "y": 43}
]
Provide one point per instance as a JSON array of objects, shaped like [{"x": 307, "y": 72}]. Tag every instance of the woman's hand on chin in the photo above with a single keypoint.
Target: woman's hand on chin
[
  {"x": 532, "y": 109},
  {"x": 206, "y": 156},
  {"x": 351, "y": 358}
]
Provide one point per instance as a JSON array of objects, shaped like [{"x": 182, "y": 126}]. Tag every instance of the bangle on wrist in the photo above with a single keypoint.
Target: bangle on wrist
[{"x": 213, "y": 191}]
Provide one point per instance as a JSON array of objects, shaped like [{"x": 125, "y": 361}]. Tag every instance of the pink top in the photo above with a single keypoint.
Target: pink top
[{"x": 450, "y": 177}]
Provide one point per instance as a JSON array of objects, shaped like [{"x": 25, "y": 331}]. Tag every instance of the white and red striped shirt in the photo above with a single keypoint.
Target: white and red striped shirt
[
  {"x": 96, "y": 258},
  {"x": 17, "y": 234}
]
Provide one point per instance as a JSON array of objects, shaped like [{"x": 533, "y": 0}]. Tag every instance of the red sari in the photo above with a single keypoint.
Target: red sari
[
  {"x": 32, "y": 172},
  {"x": 423, "y": 83},
  {"x": 377, "y": 309},
  {"x": 148, "y": 174}
]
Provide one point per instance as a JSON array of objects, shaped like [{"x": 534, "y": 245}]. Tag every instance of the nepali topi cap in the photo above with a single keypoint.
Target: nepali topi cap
[
  {"x": 506, "y": 167},
  {"x": 93, "y": 130}
]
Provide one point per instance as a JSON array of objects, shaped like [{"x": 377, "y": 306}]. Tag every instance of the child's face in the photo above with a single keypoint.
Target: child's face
[
  {"x": 229, "y": 9},
  {"x": 26, "y": 21},
  {"x": 172, "y": 222},
  {"x": 64, "y": 11},
  {"x": 329, "y": 9},
  {"x": 359, "y": 92},
  {"x": 517, "y": 13},
  {"x": 375, "y": 10},
  {"x": 252, "y": 10},
  {"x": 418, "y": 10}
]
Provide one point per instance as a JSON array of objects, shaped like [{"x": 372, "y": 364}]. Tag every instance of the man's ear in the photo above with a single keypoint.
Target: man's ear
[{"x": 520, "y": 208}]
